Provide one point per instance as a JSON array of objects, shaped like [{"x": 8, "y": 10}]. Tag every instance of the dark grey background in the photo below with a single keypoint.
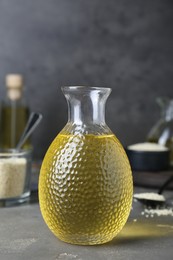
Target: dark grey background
[{"x": 122, "y": 44}]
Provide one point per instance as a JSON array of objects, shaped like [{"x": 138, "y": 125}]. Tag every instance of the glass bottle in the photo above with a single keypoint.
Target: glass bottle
[
  {"x": 162, "y": 131},
  {"x": 14, "y": 113},
  {"x": 85, "y": 184}
]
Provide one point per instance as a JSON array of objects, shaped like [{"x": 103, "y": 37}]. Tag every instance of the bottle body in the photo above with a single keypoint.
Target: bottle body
[
  {"x": 14, "y": 113},
  {"x": 14, "y": 116},
  {"x": 85, "y": 185}
]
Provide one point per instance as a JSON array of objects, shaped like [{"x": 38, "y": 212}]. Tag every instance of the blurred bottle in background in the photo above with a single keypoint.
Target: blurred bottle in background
[
  {"x": 14, "y": 113},
  {"x": 162, "y": 131}
]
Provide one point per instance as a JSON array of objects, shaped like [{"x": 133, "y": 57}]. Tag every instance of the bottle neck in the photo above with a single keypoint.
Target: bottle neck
[
  {"x": 14, "y": 94},
  {"x": 169, "y": 111},
  {"x": 86, "y": 106}
]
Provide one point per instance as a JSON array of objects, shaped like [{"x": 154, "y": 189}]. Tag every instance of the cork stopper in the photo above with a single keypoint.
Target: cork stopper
[
  {"x": 14, "y": 81},
  {"x": 14, "y": 84}
]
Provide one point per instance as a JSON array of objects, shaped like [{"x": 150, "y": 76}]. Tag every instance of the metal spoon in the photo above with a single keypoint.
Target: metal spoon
[
  {"x": 155, "y": 199},
  {"x": 33, "y": 122}
]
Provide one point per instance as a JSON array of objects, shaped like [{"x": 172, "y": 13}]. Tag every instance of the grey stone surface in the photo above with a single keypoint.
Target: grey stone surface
[
  {"x": 126, "y": 45},
  {"x": 24, "y": 236}
]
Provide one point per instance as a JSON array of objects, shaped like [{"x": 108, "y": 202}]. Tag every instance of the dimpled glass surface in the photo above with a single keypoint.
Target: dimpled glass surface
[{"x": 85, "y": 188}]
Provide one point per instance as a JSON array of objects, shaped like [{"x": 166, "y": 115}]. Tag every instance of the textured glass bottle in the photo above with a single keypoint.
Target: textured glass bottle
[{"x": 85, "y": 185}]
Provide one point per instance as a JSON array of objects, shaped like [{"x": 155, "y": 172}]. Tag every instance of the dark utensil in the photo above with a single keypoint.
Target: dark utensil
[{"x": 33, "y": 122}]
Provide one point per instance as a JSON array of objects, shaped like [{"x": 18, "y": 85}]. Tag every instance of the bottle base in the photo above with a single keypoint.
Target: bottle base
[{"x": 87, "y": 240}]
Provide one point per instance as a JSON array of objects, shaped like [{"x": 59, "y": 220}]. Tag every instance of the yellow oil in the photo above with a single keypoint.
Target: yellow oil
[
  {"x": 85, "y": 188},
  {"x": 12, "y": 124}
]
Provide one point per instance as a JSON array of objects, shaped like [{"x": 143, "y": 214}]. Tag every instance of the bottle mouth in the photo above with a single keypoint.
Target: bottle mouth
[{"x": 85, "y": 89}]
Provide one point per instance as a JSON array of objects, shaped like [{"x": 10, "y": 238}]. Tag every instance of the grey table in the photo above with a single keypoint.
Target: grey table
[{"x": 24, "y": 236}]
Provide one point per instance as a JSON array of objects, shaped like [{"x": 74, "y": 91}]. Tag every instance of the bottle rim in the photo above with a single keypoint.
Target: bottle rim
[
  {"x": 86, "y": 88},
  {"x": 7, "y": 152}
]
